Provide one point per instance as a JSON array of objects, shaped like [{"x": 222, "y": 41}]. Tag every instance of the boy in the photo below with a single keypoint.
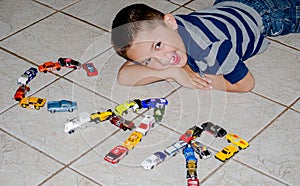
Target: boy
[{"x": 205, "y": 49}]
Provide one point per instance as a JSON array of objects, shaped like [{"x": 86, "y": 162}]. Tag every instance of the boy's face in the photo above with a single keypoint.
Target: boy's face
[{"x": 159, "y": 48}]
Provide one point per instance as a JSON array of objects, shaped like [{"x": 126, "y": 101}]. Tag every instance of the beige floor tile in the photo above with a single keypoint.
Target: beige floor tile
[{"x": 22, "y": 165}]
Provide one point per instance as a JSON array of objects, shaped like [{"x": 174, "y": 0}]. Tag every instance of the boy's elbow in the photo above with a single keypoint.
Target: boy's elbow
[{"x": 247, "y": 84}]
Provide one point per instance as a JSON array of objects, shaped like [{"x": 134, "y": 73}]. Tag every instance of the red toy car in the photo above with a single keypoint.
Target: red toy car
[
  {"x": 122, "y": 123},
  {"x": 193, "y": 182},
  {"x": 69, "y": 63},
  {"x": 21, "y": 92},
  {"x": 191, "y": 134},
  {"x": 49, "y": 66},
  {"x": 116, "y": 154},
  {"x": 90, "y": 69}
]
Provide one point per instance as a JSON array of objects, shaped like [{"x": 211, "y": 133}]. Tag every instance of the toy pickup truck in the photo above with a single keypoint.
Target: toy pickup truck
[
  {"x": 213, "y": 129},
  {"x": 77, "y": 122}
]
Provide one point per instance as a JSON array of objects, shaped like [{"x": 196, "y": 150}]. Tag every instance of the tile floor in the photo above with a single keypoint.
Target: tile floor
[{"x": 35, "y": 150}]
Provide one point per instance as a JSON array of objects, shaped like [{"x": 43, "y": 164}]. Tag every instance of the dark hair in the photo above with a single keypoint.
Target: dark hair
[{"x": 128, "y": 22}]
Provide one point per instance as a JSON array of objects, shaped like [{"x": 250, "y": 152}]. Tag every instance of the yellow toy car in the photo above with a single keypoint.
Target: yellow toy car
[
  {"x": 101, "y": 116},
  {"x": 235, "y": 139},
  {"x": 226, "y": 153},
  {"x": 32, "y": 102},
  {"x": 134, "y": 138},
  {"x": 122, "y": 109}
]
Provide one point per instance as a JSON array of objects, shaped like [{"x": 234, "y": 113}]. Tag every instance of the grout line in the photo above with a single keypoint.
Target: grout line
[
  {"x": 84, "y": 21},
  {"x": 267, "y": 98},
  {"x": 279, "y": 42},
  {"x": 24, "y": 28},
  {"x": 80, "y": 156},
  {"x": 261, "y": 172},
  {"x": 49, "y": 6},
  {"x": 34, "y": 148},
  {"x": 268, "y": 125}
]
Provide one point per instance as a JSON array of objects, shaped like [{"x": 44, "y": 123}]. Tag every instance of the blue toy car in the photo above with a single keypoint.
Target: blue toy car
[
  {"x": 61, "y": 106},
  {"x": 191, "y": 162},
  {"x": 154, "y": 102},
  {"x": 27, "y": 76}
]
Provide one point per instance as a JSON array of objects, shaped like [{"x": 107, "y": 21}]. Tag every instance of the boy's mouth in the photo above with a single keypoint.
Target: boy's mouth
[{"x": 175, "y": 59}]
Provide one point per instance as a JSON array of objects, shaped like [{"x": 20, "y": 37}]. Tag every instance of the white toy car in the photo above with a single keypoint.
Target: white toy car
[
  {"x": 173, "y": 149},
  {"x": 153, "y": 160},
  {"x": 146, "y": 124},
  {"x": 77, "y": 122},
  {"x": 27, "y": 76}
]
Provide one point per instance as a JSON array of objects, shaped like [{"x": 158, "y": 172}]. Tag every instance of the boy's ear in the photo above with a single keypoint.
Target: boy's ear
[{"x": 170, "y": 20}]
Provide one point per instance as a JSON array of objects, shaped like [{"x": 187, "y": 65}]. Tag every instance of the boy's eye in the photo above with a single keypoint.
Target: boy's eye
[
  {"x": 147, "y": 61},
  {"x": 157, "y": 46}
]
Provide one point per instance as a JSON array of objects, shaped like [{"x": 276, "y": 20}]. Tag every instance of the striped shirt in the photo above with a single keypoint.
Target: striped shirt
[{"x": 219, "y": 39}]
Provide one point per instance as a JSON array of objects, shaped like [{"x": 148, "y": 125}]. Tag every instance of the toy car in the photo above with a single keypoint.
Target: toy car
[
  {"x": 61, "y": 106},
  {"x": 235, "y": 139},
  {"x": 213, "y": 129},
  {"x": 122, "y": 123},
  {"x": 122, "y": 109},
  {"x": 191, "y": 134},
  {"x": 69, "y": 63},
  {"x": 21, "y": 92},
  {"x": 101, "y": 116},
  {"x": 152, "y": 102},
  {"x": 27, "y": 76},
  {"x": 226, "y": 153},
  {"x": 159, "y": 112},
  {"x": 116, "y": 154},
  {"x": 193, "y": 182},
  {"x": 32, "y": 102},
  {"x": 134, "y": 138},
  {"x": 146, "y": 124},
  {"x": 90, "y": 69},
  {"x": 201, "y": 150},
  {"x": 173, "y": 149},
  {"x": 191, "y": 162},
  {"x": 77, "y": 122},
  {"x": 153, "y": 160},
  {"x": 49, "y": 66}
]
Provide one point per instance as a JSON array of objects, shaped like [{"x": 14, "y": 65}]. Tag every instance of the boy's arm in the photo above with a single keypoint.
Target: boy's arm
[
  {"x": 244, "y": 85},
  {"x": 218, "y": 82},
  {"x": 132, "y": 75}
]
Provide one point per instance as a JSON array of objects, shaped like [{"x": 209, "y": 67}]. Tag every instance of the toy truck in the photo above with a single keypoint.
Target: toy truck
[{"x": 77, "y": 122}]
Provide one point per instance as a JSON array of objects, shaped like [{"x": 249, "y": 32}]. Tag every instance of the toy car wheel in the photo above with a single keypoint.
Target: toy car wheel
[
  {"x": 240, "y": 148},
  {"x": 37, "y": 107},
  {"x": 52, "y": 111},
  {"x": 152, "y": 167},
  {"x": 23, "y": 105},
  {"x": 58, "y": 69},
  {"x": 97, "y": 121},
  {"x": 75, "y": 68},
  {"x": 45, "y": 71},
  {"x": 228, "y": 141},
  {"x": 70, "y": 110}
]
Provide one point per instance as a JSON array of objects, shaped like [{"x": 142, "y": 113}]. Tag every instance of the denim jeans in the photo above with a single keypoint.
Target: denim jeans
[{"x": 279, "y": 17}]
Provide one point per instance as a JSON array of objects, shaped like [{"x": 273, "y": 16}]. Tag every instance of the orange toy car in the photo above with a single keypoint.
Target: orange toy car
[{"x": 49, "y": 66}]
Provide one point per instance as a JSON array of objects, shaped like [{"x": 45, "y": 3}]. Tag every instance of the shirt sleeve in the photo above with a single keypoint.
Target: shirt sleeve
[{"x": 238, "y": 73}]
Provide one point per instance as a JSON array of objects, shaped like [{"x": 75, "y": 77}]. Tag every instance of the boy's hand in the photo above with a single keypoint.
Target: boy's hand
[{"x": 188, "y": 78}]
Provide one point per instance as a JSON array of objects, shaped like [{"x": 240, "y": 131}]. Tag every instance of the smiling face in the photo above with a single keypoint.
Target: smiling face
[{"x": 160, "y": 47}]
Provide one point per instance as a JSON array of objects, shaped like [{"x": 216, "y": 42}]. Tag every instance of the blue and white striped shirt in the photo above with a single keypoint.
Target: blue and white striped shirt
[{"x": 219, "y": 39}]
